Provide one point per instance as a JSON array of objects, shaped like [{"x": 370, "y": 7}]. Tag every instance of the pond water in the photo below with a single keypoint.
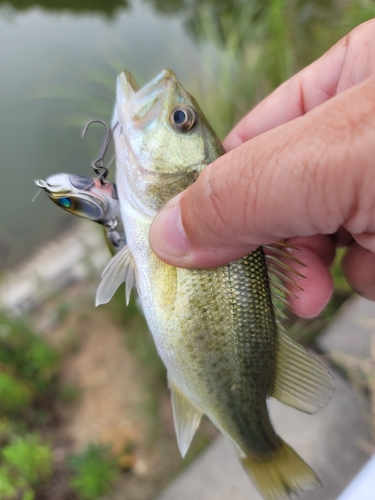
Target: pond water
[{"x": 58, "y": 71}]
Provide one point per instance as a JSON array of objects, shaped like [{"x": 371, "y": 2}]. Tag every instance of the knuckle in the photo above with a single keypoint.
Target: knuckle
[{"x": 359, "y": 62}]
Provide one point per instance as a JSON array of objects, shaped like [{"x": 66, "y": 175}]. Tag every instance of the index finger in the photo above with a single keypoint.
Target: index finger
[{"x": 347, "y": 63}]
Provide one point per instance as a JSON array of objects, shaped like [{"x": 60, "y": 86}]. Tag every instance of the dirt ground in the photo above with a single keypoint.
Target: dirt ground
[{"x": 117, "y": 398}]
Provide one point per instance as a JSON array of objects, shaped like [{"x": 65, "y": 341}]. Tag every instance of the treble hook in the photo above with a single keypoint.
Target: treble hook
[{"x": 98, "y": 164}]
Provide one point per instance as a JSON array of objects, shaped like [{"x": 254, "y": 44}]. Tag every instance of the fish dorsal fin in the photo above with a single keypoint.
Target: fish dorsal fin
[
  {"x": 121, "y": 268},
  {"x": 300, "y": 380},
  {"x": 282, "y": 272},
  {"x": 186, "y": 418}
]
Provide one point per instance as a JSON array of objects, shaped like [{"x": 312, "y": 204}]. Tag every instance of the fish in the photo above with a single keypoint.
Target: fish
[
  {"x": 89, "y": 198},
  {"x": 216, "y": 330}
]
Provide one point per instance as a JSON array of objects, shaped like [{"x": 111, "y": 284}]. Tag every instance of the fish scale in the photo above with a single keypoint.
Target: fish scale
[
  {"x": 215, "y": 329},
  {"x": 255, "y": 353}
]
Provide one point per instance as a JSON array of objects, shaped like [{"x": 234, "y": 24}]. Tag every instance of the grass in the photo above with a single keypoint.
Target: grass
[
  {"x": 94, "y": 471},
  {"x": 27, "y": 354},
  {"x": 25, "y": 462},
  {"x": 249, "y": 50},
  {"x": 27, "y": 459},
  {"x": 15, "y": 395},
  {"x": 28, "y": 378}
]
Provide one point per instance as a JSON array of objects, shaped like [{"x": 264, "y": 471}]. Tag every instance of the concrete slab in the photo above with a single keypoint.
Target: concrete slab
[
  {"x": 363, "y": 485},
  {"x": 353, "y": 329},
  {"x": 330, "y": 441},
  {"x": 79, "y": 253}
]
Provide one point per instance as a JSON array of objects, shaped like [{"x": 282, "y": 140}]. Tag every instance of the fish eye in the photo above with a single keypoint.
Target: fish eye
[
  {"x": 65, "y": 203},
  {"x": 183, "y": 118}
]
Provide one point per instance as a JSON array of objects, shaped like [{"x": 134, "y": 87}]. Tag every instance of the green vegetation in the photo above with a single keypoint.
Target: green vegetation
[
  {"x": 250, "y": 47},
  {"x": 15, "y": 395},
  {"x": 108, "y": 8},
  {"x": 94, "y": 472},
  {"x": 28, "y": 355},
  {"x": 25, "y": 462},
  {"x": 28, "y": 375},
  {"x": 29, "y": 388},
  {"x": 28, "y": 370}
]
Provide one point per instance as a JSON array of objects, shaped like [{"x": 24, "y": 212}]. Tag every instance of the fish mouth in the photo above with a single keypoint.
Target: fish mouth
[
  {"x": 128, "y": 89},
  {"x": 127, "y": 86},
  {"x": 140, "y": 106}
]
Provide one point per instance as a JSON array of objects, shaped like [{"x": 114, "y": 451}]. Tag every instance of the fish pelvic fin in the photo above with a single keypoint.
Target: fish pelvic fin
[
  {"x": 300, "y": 380},
  {"x": 121, "y": 268},
  {"x": 186, "y": 418},
  {"x": 281, "y": 474}
]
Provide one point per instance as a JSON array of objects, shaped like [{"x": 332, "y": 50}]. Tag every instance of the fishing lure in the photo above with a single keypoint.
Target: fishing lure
[
  {"x": 92, "y": 199},
  {"x": 99, "y": 168}
]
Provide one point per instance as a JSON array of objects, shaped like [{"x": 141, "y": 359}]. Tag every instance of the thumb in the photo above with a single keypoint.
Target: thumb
[{"x": 308, "y": 176}]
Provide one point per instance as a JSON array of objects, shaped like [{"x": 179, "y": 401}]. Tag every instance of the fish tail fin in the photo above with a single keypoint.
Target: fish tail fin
[{"x": 281, "y": 474}]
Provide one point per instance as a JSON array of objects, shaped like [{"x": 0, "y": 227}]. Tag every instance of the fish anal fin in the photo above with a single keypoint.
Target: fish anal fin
[
  {"x": 121, "y": 268},
  {"x": 280, "y": 474},
  {"x": 186, "y": 418},
  {"x": 300, "y": 380}
]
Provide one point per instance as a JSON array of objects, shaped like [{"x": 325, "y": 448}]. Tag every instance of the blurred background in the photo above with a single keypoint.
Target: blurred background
[{"x": 84, "y": 406}]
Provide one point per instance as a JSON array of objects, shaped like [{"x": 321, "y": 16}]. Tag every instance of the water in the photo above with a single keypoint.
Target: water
[{"x": 58, "y": 72}]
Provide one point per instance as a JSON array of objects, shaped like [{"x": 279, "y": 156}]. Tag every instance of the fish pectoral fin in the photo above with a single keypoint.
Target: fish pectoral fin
[
  {"x": 300, "y": 380},
  {"x": 186, "y": 418},
  {"x": 121, "y": 268}
]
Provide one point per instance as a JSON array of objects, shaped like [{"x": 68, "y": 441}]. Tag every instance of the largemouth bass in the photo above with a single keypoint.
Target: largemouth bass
[{"x": 215, "y": 329}]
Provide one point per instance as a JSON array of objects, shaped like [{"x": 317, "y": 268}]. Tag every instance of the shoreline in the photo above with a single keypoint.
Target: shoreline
[{"x": 79, "y": 253}]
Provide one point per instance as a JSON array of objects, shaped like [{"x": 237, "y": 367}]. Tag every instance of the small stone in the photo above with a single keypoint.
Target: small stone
[
  {"x": 140, "y": 468},
  {"x": 126, "y": 462}
]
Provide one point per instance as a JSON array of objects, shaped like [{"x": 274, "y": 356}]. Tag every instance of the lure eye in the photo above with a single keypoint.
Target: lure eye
[
  {"x": 65, "y": 203},
  {"x": 183, "y": 118}
]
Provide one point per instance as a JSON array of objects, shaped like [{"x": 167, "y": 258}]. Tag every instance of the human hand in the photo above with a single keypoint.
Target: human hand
[{"x": 299, "y": 167}]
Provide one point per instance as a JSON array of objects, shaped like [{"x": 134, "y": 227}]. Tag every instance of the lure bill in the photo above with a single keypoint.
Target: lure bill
[{"x": 92, "y": 199}]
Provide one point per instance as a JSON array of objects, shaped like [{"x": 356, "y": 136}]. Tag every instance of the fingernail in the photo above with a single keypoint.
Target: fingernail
[{"x": 167, "y": 232}]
